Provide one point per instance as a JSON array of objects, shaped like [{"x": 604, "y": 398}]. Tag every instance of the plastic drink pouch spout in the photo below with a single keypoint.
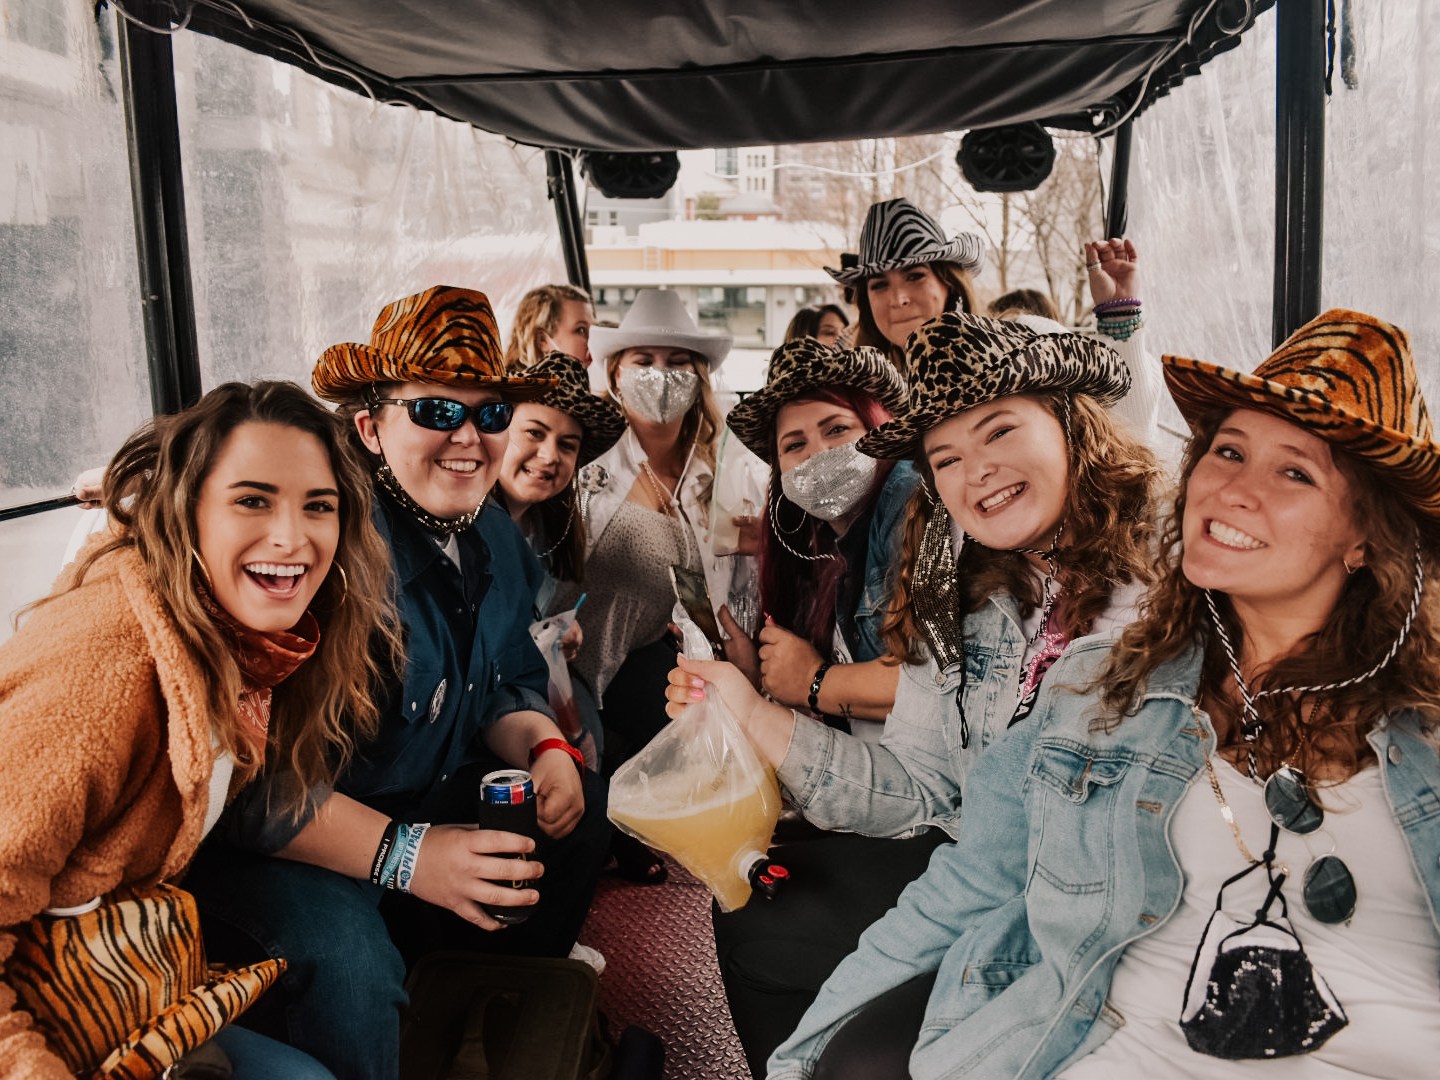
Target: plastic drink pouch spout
[
  {"x": 701, "y": 792},
  {"x": 548, "y": 635}
]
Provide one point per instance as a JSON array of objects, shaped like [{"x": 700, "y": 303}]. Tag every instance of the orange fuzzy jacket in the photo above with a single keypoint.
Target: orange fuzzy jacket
[{"x": 105, "y": 762}]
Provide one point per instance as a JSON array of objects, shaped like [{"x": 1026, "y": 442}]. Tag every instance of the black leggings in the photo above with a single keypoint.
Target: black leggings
[
  {"x": 875, "y": 1043},
  {"x": 774, "y": 955}
]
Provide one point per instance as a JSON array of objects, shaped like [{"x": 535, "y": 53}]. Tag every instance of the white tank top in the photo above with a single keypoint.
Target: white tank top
[{"x": 1384, "y": 967}]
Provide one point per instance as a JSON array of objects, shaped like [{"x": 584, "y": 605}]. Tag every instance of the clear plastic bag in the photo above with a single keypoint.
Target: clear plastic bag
[
  {"x": 701, "y": 792},
  {"x": 548, "y": 635}
]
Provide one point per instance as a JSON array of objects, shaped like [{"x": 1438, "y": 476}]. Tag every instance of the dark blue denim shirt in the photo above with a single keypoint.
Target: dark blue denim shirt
[{"x": 469, "y": 660}]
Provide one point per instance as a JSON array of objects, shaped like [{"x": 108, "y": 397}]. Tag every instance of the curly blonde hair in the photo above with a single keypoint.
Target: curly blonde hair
[
  {"x": 1109, "y": 520},
  {"x": 1364, "y": 624}
]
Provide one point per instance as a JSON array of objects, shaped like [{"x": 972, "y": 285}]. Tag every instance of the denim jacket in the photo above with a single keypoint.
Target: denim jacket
[
  {"x": 882, "y": 553},
  {"x": 1064, "y": 861},
  {"x": 915, "y": 775}
]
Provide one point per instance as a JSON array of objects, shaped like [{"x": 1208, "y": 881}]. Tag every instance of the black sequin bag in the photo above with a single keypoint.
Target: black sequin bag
[{"x": 1252, "y": 991}]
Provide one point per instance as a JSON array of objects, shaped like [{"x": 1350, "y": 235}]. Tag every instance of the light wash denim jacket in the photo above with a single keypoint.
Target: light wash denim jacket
[
  {"x": 915, "y": 775},
  {"x": 1064, "y": 860}
]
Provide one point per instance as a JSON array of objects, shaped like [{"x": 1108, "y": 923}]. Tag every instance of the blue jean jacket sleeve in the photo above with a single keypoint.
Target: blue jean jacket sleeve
[
  {"x": 249, "y": 822},
  {"x": 889, "y": 788},
  {"x": 982, "y": 874}
]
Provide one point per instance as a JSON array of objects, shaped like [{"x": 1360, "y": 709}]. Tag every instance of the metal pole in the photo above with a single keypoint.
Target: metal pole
[
  {"x": 1299, "y": 163},
  {"x": 167, "y": 303},
  {"x": 561, "y": 182},
  {"x": 1117, "y": 214}
]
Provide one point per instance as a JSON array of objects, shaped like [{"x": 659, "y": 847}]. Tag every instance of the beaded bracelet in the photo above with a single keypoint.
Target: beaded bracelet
[
  {"x": 1117, "y": 302},
  {"x": 1120, "y": 331},
  {"x": 814, "y": 698}
]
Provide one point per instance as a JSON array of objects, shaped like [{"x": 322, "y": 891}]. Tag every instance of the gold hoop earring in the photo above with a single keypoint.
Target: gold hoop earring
[
  {"x": 204, "y": 570},
  {"x": 344, "y": 585}
]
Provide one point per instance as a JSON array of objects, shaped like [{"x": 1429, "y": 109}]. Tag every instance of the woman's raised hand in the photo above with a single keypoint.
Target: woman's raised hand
[{"x": 1113, "y": 268}]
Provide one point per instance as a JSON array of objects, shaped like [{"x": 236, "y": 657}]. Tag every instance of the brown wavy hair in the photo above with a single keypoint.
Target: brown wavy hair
[
  {"x": 151, "y": 489},
  {"x": 1109, "y": 520},
  {"x": 1365, "y": 623},
  {"x": 539, "y": 312},
  {"x": 701, "y": 425},
  {"x": 959, "y": 296}
]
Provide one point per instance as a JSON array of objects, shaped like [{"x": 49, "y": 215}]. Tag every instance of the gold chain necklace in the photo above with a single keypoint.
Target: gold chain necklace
[{"x": 665, "y": 496}]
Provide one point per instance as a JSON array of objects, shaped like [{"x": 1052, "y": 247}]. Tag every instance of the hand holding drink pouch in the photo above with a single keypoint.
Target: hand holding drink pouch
[
  {"x": 701, "y": 792},
  {"x": 548, "y": 635}
]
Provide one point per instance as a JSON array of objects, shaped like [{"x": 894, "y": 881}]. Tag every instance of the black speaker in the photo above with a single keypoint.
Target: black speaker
[
  {"x": 1016, "y": 157},
  {"x": 631, "y": 176}
]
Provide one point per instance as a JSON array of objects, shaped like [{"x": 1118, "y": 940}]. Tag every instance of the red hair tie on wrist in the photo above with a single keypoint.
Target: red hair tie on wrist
[{"x": 558, "y": 744}]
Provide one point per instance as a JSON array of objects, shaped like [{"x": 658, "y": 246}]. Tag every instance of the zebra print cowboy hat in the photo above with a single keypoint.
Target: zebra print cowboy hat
[
  {"x": 600, "y": 419},
  {"x": 958, "y": 361},
  {"x": 1345, "y": 376},
  {"x": 444, "y": 335},
  {"x": 897, "y": 234},
  {"x": 805, "y": 365}
]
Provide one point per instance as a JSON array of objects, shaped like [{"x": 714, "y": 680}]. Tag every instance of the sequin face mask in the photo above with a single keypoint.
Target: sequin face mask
[
  {"x": 830, "y": 484},
  {"x": 660, "y": 395}
]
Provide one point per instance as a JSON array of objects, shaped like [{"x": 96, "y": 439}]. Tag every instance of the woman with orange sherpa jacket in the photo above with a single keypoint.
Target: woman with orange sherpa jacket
[{"x": 224, "y": 623}]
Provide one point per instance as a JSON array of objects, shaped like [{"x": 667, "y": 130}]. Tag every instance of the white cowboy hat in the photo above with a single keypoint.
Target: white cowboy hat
[{"x": 658, "y": 317}]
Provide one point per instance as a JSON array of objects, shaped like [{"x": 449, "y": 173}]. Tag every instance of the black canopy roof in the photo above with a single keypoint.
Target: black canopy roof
[{"x": 675, "y": 74}]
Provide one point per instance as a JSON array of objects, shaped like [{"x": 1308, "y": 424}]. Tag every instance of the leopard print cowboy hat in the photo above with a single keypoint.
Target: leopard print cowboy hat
[
  {"x": 805, "y": 365},
  {"x": 897, "y": 234},
  {"x": 1347, "y": 377},
  {"x": 444, "y": 335},
  {"x": 600, "y": 419},
  {"x": 959, "y": 361}
]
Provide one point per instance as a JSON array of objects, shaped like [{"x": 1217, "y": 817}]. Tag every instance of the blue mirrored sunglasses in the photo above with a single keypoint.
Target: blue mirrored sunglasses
[{"x": 444, "y": 414}]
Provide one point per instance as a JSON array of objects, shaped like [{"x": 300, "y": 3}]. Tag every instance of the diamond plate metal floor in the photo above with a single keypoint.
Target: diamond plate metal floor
[{"x": 660, "y": 973}]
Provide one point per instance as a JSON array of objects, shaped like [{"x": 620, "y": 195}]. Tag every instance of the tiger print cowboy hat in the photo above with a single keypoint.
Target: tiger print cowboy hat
[
  {"x": 444, "y": 335},
  {"x": 1345, "y": 376},
  {"x": 959, "y": 361},
  {"x": 803, "y": 366},
  {"x": 600, "y": 419},
  {"x": 897, "y": 234}
]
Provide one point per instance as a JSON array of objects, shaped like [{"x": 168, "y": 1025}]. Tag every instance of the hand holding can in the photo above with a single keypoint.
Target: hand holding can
[{"x": 507, "y": 804}]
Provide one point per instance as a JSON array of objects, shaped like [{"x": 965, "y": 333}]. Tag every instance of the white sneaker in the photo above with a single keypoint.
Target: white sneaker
[{"x": 593, "y": 957}]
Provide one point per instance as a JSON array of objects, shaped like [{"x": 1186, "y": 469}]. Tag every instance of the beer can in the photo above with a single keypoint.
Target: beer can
[{"x": 507, "y": 804}]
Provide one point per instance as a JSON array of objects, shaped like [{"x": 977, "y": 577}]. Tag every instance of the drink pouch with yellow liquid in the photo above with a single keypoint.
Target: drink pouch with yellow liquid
[{"x": 701, "y": 792}]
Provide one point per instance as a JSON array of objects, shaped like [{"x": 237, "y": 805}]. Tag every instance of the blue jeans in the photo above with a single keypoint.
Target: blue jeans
[
  {"x": 254, "y": 1057},
  {"x": 348, "y": 943},
  {"x": 343, "y": 990}
]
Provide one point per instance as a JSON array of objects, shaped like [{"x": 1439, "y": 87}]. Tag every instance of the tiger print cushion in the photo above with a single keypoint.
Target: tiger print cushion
[
  {"x": 444, "y": 335},
  {"x": 959, "y": 361},
  {"x": 1347, "y": 377},
  {"x": 124, "y": 990}
]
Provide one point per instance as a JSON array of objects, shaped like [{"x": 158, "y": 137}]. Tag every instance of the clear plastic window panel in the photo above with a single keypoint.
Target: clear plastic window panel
[
  {"x": 72, "y": 355},
  {"x": 1202, "y": 191},
  {"x": 311, "y": 207}
]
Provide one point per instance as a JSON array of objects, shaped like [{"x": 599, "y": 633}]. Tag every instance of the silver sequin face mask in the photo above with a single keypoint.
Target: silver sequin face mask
[
  {"x": 830, "y": 484},
  {"x": 660, "y": 395}
]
